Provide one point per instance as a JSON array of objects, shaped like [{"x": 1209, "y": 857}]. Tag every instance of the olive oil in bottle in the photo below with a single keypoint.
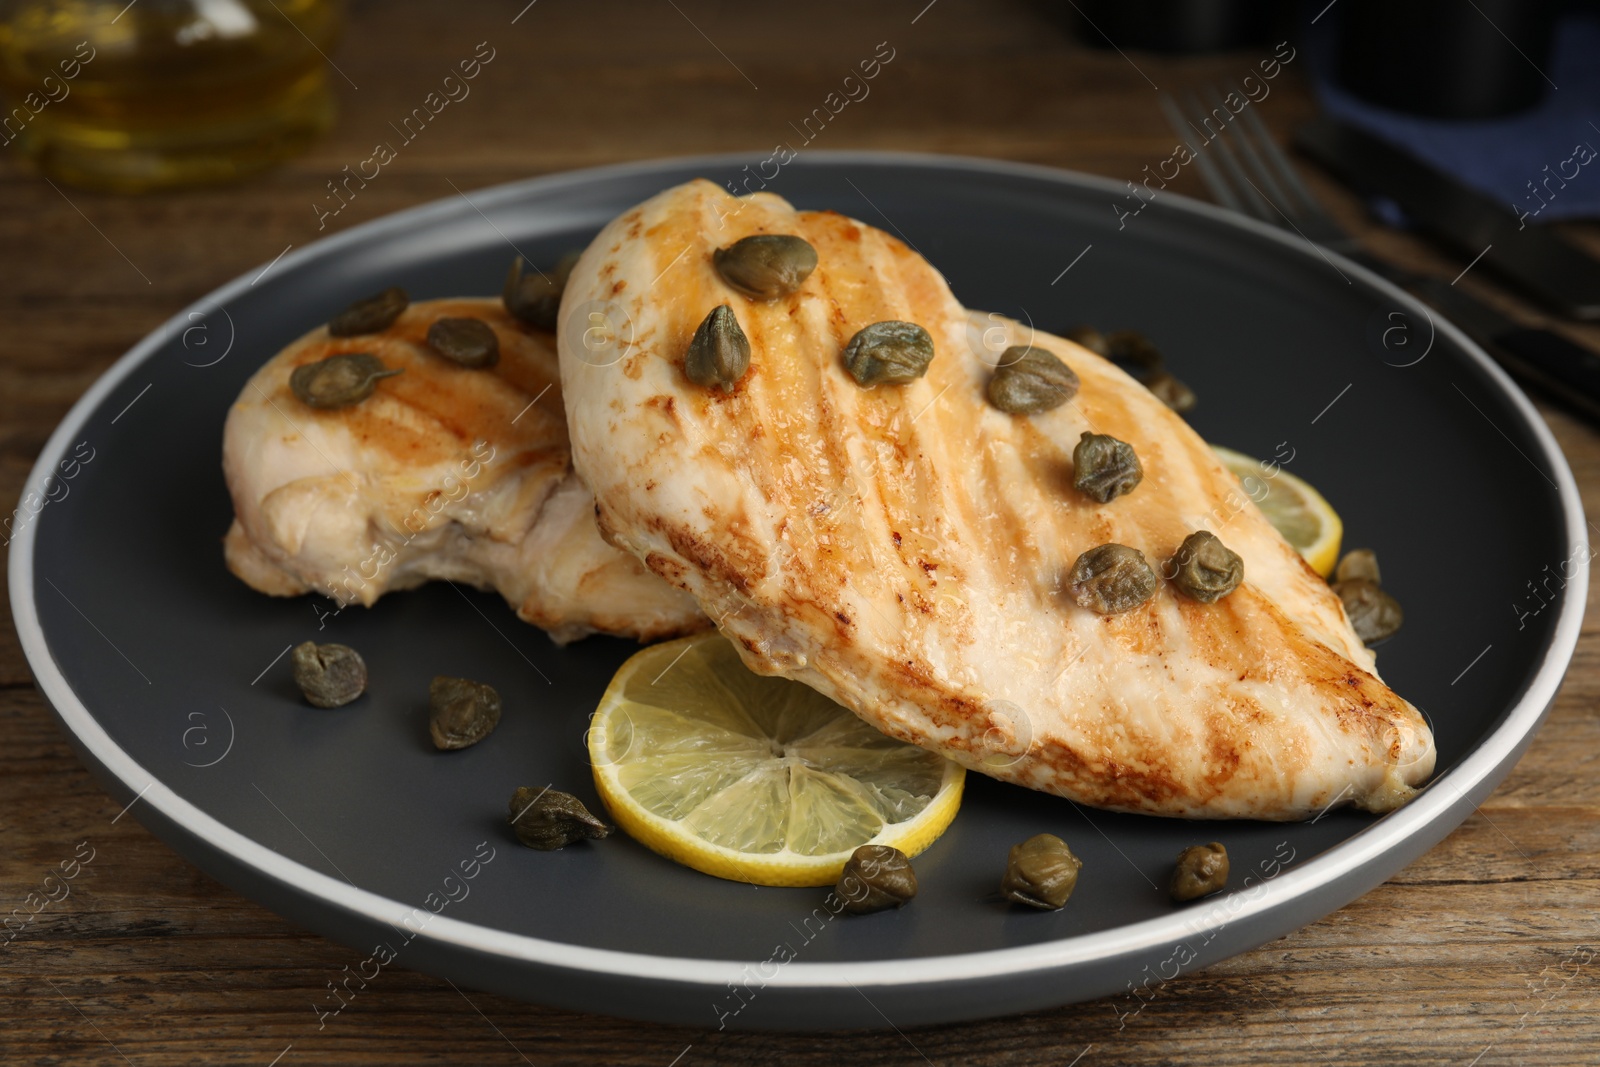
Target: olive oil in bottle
[{"x": 154, "y": 94}]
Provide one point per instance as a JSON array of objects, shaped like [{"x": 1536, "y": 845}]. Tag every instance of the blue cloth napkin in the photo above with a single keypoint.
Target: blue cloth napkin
[{"x": 1506, "y": 158}]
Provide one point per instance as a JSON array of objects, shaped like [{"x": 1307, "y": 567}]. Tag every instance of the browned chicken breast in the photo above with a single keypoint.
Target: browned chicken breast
[
  {"x": 443, "y": 472},
  {"x": 905, "y": 548}
]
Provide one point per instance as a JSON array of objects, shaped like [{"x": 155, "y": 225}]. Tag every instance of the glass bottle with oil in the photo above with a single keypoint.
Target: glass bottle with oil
[{"x": 155, "y": 94}]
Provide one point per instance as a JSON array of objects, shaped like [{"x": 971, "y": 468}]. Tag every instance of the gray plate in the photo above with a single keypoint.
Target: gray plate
[{"x": 157, "y": 661}]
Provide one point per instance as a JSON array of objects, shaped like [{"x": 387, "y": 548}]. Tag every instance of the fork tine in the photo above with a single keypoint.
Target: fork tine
[
  {"x": 1273, "y": 193},
  {"x": 1213, "y": 179},
  {"x": 1257, "y": 204},
  {"x": 1280, "y": 162}
]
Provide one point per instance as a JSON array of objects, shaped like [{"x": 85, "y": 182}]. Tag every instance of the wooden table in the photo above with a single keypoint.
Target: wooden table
[{"x": 1473, "y": 954}]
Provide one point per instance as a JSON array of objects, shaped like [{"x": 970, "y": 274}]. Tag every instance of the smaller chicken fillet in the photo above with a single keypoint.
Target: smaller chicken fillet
[{"x": 443, "y": 472}]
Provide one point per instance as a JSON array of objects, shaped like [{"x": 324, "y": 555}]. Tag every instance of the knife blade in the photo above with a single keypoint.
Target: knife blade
[{"x": 1547, "y": 268}]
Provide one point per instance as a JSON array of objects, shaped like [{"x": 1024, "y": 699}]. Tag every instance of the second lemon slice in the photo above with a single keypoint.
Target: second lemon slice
[
  {"x": 1295, "y": 509},
  {"x": 756, "y": 779}
]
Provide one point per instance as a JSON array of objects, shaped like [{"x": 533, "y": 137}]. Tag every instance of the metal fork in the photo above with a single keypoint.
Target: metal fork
[{"x": 1251, "y": 175}]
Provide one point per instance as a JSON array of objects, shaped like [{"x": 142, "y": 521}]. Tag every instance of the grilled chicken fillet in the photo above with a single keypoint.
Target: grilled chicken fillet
[
  {"x": 443, "y": 472},
  {"x": 904, "y": 549}
]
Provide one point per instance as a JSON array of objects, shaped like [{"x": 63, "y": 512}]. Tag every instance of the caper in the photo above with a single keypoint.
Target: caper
[
  {"x": 329, "y": 675},
  {"x": 1104, "y": 468},
  {"x": 1029, "y": 380},
  {"x": 461, "y": 712},
  {"x": 1201, "y": 869},
  {"x": 536, "y": 298},
  {"x": 1358, "y": 563},
  {"x": 1112, "y": 579},
  {"x": 719, "y": 352},
  {"x": 372, "y": 315},
  {"x": 1131, "y": 346},
  {"x": 1374, "y": 614},
  {"x": 1089, "y": 338},
  {"x": 338, "y": 381},
  {"x": 1206, "y": 569},
  {"x": 766, "y": 265},
  {"x": 1041, "y": 872},
  {"x": 548, "y": 819},
  {"x": 876, "y": 877},
  {"x": 469, "y": 342},
  {"x": 1170, "y": 391},
  {"x": 890, "y": 351}
]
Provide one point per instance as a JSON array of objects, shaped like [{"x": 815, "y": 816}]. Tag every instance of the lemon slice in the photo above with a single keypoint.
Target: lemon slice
[
  {"x": 756, "y": 779},
  {"x": 1297, "y": 511}
]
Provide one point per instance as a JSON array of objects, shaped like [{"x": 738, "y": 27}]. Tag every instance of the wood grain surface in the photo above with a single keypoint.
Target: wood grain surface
[{"x": 1482, "y": 952}]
